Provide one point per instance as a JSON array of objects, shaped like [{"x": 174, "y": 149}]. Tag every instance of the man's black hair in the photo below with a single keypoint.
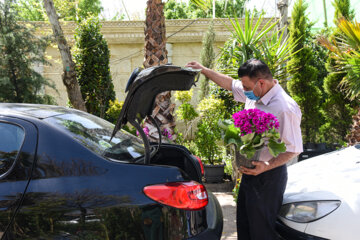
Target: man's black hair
[{"x": 254, "y": 68}]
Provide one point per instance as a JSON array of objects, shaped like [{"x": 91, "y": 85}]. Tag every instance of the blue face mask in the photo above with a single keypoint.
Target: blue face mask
[{"x": 250, "y": 94}]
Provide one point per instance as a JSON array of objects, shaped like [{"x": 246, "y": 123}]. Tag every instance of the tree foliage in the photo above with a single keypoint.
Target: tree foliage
[
  {"x": 223, "y": 9},
  {"x": 31, "y": 10},
  {"x": 87, "y": 8},
  {"x": 92, "y": 57},
  {"x": 253, "y": 39},
  {"x": 343, "y": 9},
  {"x": 207, "y": 58},
  {"x": 337, "y": 109},
  {"x": 345, "y": 52},
  {"x": 68, "y": 10},
  {"x": 20, "y": 51},
  {"x": 348, "y": 58},
  {"x": 303, "y": 86}
]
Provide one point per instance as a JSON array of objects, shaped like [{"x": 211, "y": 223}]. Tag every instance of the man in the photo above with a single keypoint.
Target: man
[{"x": 262, "y": 188}]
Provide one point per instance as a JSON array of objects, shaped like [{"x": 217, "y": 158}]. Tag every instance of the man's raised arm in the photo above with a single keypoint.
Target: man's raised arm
[{"x": 220, "y": 79}]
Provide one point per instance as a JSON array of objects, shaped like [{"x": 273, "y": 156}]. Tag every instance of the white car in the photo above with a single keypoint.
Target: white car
[{"x": 322, "y": 198}]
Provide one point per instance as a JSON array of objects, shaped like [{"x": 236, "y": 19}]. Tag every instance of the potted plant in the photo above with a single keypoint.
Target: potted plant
[
  {"x": 248, "y": 134},
  {"x": 258, "y": 130},
  {"x": 207, "y": 137}
]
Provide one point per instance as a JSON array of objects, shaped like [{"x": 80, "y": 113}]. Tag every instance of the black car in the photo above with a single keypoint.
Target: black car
[{"x": 66, "y": 174}]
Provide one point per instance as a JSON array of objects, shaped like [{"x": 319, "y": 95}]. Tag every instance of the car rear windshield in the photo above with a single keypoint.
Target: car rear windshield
[{"x": 94, "y": 133}]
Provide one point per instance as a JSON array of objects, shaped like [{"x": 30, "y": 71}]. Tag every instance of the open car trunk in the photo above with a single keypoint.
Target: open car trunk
[{"x": 178, "y": 156}]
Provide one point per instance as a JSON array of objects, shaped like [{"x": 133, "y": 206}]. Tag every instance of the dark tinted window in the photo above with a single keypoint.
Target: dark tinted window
[
  {"x": 11, "y": 139},
  {"x": 94, "y": 133}
]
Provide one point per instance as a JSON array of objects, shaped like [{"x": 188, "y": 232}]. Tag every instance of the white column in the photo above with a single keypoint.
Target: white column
[{"x": 169, "y": 52}]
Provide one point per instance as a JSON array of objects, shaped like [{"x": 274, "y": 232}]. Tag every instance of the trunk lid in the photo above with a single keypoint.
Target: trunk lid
[{"x": 143, "y": 87}]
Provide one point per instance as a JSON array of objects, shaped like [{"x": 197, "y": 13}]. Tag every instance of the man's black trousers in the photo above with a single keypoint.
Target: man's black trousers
[{"x": 259, "y": 201}]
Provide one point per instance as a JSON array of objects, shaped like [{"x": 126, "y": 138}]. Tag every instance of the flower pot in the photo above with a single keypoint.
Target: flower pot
[
  {"x": 241, "y": 160},
  {"x": 214, "y": 173}
]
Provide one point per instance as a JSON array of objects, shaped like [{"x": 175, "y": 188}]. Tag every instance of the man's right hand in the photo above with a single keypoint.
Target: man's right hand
[
  {"x": 218, "y": 78},
  {"x": 195, "y": 65}
]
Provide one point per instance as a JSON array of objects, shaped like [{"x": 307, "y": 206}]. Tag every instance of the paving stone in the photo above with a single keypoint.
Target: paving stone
[{"x": 228, "y": 206}]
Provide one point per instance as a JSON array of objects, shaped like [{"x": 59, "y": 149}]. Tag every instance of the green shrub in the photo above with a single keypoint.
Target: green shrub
[
  {"x": 113, "y": 112},
  {"x": 303, "y": 84},
  {"x": 207, "y": 58},
  {"x": 231, "y": 106},
  {"x": 185, "y": 112},
  {"x": 211, "y": 110},
  {"x": 227, "y": 159},
  {"x": 92, "y": 58}
]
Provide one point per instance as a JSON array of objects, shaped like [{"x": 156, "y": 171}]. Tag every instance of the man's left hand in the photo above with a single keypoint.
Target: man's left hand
[{"x": 260, "y": 167}]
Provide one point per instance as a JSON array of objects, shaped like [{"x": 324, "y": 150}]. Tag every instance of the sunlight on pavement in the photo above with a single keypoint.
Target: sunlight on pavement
[{"x": 228, "y": 206}]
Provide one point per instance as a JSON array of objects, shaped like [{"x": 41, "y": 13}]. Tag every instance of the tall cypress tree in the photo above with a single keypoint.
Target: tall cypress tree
[
  {"x": 92, "y": 58},
  {"x": 337, "y": 109},
  {"x": 342, "y": 9},
  {"x": 207, "y": 58},
  {"x": 20, "y": 50},
  {"x": 303, "y": 86}
]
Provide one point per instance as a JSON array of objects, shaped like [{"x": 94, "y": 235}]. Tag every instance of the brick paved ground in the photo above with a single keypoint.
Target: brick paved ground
[
  {"x": 223, "y": 193},
  {"x": 228, "y": 206}
]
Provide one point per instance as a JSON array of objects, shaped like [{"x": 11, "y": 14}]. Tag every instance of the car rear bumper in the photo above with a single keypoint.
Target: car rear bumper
[
  {"x": 214, "y": 219},
  {"x": 287, "y": 233}
]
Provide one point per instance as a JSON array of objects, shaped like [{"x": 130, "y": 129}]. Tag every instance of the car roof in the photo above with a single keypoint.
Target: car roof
[{"x": 34, "y": 110}]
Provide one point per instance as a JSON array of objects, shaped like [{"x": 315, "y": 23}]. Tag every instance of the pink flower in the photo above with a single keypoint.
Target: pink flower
[
  {"x": 254, "y": 120},
  {"x": 167, "y": 134},
  {"x": 146, "y": 131}
]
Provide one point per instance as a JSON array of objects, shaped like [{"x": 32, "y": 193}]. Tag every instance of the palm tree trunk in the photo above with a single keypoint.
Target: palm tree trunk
[
  {"x": 69, "y": 74},
  {"x": 155, "y": 55},
  {"x": 354, "y": 135},
  {"x": 155, "y": 34}
]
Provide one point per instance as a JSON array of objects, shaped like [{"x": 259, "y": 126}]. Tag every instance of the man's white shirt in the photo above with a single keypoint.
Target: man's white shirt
[{"x": 277, "y": 102}]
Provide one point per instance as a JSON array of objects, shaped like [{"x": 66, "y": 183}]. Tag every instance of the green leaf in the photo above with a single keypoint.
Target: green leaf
[
  {"x": 256, "y": 139},
  {"x": 232, "y": 141},
  {"x": 259, "y": 144},
  {"x": 230, "y": 133},
  {"x": 233, "y": 133},
  {"x": 203, "y": 4},
  {"x": 276, "y": 148},
  {"x": 248, "y": 137},
  {"x": 247, "y": 150},
  {"x": 224, "y": 124},
  {"x": 272, "y": 133}
]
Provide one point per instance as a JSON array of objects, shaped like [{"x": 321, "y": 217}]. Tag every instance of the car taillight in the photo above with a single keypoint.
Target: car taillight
[
  {"x": 183, "y": 195},
  {"x": 201, "y": 165}
]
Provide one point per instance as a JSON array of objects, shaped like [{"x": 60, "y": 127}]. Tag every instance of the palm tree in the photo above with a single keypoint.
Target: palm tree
[
  {"x": 155, "y": 55},
  {"x": 155, "y": 34},
  {"x": 346, "y": 54}
]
